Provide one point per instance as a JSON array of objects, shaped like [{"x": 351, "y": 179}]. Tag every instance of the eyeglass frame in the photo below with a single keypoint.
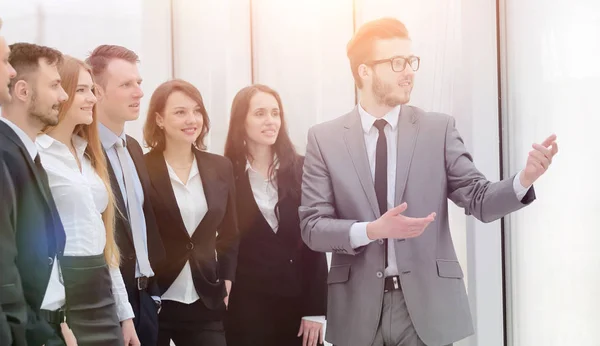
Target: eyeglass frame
[{"x": 391, "y": 61}]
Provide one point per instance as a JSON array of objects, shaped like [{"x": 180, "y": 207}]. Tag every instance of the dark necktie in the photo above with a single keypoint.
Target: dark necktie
[
  {"x": 381, "y": 183},
  {"x": 41, "y": 172}
]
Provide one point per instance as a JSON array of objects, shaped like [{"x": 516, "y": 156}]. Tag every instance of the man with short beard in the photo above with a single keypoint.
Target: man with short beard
[
  {"x": 375, "y": 192},
  {"x": 27, "y": 209}
]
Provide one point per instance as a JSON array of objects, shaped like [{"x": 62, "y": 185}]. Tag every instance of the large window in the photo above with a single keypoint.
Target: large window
[{"x": 552, "y": 83}]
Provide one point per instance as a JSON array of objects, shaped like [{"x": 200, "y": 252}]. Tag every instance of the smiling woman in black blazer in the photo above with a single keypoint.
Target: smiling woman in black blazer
[
  {"x": 280, "y": 293},
  {"x": 194, "y": 202}
]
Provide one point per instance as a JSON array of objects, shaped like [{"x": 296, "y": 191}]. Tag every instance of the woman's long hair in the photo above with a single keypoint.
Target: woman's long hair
[
  {"x": 285, "y": 153},
  {"x": 69, "y": 73}
]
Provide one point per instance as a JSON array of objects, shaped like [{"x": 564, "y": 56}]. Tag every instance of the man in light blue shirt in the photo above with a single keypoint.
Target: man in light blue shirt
[{"x": 118, "y": 90}]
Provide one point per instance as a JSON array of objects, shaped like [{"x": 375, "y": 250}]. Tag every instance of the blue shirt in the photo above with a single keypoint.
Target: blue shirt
[{"x": 109, "y": 140}]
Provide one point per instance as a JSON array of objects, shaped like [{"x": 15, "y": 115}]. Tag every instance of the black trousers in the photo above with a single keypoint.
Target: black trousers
[
  {"x": 190, "y": 325},
  {"x": 256, "y": 318},
  {"x": 146, "y": 316}
]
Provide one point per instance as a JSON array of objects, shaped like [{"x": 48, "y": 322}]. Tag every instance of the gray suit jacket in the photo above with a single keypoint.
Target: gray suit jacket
[{"x": 337, "y": 191}]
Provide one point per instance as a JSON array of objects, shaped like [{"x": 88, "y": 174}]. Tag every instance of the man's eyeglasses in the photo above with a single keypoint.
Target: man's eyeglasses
[{"x": 399, "y": 62}]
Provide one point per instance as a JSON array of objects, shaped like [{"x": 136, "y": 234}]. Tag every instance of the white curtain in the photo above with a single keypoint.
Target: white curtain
[
  {"x": 553, "y": 83},
  {"x": 212, "y": 51},
  {"x": 76, "y": 27}
]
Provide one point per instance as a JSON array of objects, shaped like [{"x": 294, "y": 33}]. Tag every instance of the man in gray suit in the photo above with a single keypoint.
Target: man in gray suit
[{"x": 375, "y": 192}]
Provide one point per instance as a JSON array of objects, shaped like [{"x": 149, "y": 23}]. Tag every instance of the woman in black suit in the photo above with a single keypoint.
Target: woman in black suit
[
  {"x": 194, "y": 201},
  {"x": 279, "y": 297}
]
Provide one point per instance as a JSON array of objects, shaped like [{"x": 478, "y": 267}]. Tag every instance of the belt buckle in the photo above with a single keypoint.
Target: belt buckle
[{"x": 142, "y": 283}]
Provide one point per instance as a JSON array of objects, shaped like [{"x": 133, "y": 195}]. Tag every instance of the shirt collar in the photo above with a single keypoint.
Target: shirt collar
[
  {"x": 249, "y": 165},
  {"x": 45, "y": 141},
  {"x": 109, "y": 138},
  {"x": 193, "y": 172},
  {"x": 367, "y": 120},
  {"x": 29, "y": 144}
]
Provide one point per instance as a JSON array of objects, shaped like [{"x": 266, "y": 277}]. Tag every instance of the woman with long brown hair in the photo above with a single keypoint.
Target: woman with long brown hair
[
  {"x": 86, "y": 287},
  {"x": 280, "y": 293},
  {"x": 193, "y": 196}
]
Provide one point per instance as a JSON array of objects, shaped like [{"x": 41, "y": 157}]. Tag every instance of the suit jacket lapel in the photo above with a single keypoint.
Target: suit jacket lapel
[
  {"x": 408, "y": 129},
  {"x": 162, "y": 186},
  {"x": 250, "y": 208},
  {"x": 121, "y": 207},
  {"x": 213, "y": 188},
  {"x": 355, "y": 142},
  {"x": 10, "y": 134}
]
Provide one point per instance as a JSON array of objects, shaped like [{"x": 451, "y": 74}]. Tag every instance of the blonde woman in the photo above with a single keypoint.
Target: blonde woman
[{"x": 87, "y": 287}]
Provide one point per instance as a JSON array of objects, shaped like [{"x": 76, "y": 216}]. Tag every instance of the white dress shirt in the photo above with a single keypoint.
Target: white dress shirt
[
  {"x": 358, "y": 231},
  {"x": 193, "y": 207},
  {"x": 265, "y": 194},
  {"x": 266, "y": 197},
  {"x": 81, "y": 198}
]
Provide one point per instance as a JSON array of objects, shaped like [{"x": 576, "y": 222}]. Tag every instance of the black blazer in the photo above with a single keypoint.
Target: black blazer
[
  {"x": 124, "y": 238},
  {"x": 278, "y": 264},
  {"x": 208, "y": 272},
  {"x": 29, "y": 219}
]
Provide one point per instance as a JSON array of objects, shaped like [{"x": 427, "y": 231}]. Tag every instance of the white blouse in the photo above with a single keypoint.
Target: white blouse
[
  {"x": 81, "y": 198},
  {"x": 265, "y": 194},
  {"x": 192, "y": 204}
]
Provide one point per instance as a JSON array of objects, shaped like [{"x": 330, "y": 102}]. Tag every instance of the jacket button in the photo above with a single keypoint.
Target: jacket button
[
  {"x": 379, "y": 275},
  {"x": 132, "y": 257},
  {"x": 190, "y": 246},
  {"x": 291, "y": 261},
  {"x": 50, "y": 261},
  {"x": 380, "y": 241}
]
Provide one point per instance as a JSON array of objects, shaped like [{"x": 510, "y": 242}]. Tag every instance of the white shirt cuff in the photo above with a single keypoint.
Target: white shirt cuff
[
  {"x": 358, "y": 235},
  {"x": 520, "y": 190},
  {"x": 320, "y": 319},
  {"x": 125, "y": 311}
]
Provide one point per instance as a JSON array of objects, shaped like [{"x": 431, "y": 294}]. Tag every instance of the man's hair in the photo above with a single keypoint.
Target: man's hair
[
  {"x": 360, "y": 47},
  {"x": 25, "y": 59},
  {"x": 104, "y": 54}
]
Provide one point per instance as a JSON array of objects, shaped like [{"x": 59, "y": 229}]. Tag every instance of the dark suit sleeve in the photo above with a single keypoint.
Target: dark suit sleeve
[
  {"x": 153, "y": 289},
  {"x": 13, "y": 309},
  {"x": 5, "y": 334},
  {"x": 38, "y": 330},
  {"x": 227, "y": 240},
  {"x": 315, "y": 283}
]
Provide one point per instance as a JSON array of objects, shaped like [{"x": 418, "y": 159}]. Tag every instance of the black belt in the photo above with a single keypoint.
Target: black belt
[
  {"x": 141, "y": 283},
  {"x": 392, "y": 283},
  {"x": 53, "y": 317}
]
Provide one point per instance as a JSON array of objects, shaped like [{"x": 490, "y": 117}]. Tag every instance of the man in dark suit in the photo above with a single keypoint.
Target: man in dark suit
[
  {"x": 28, "y": 215},
  {"x": 118, "y": 90},
  {"x": 8, "y": 270}
]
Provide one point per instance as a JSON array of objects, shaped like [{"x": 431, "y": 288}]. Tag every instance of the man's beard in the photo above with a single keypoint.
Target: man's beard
[
  {"x": 383, "y": 93},
  {"x": 45, "y": 116}
]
